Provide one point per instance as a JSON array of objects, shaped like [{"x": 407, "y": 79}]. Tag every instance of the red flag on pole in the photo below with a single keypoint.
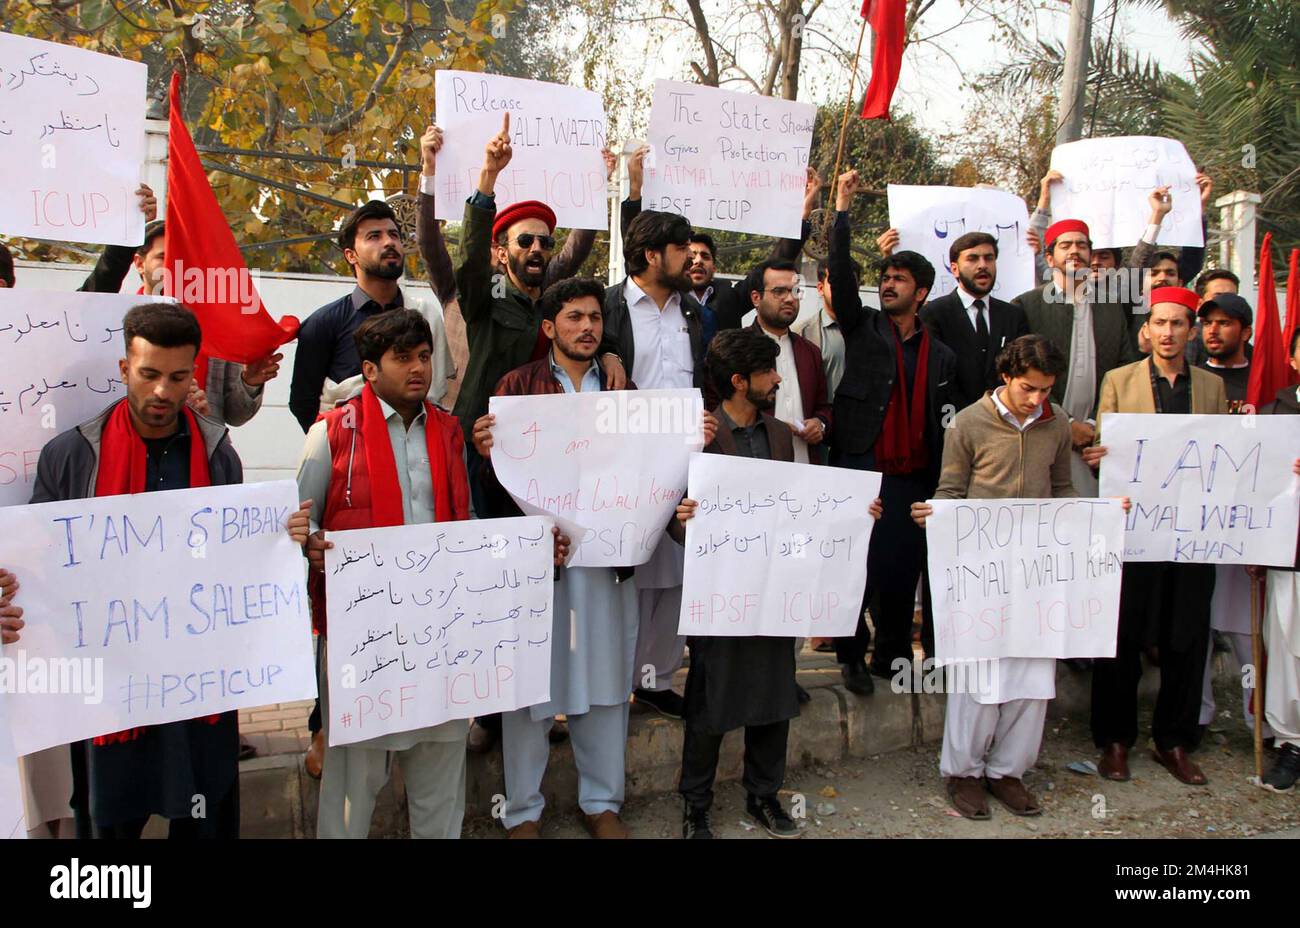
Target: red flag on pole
[
  {"x": 204, "y": 268},
  {"x": 1268, "y": 366},
  {"x": 887, "y": 18},
  {"x": 1292, "y": 309}
]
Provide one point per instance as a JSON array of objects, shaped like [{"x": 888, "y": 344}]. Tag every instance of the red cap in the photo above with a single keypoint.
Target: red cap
[
  {"x": 1057, "y": 229},
  {"x": 525, "y": 209},
  {"x": 1180, "y": 295}
]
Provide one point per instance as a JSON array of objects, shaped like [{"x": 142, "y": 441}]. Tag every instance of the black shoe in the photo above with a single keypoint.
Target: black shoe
[
  {"x": 856, "y": 678},
  {"x": 246, "y": 750},
  {"x": 695, "y": 823},
  {"x": 665, "y": 702},
  {"x": 1282, "y": 775},
  {"x": 767, "y": 812},
  {"x": 802, "y": 694},
  {"x": 1079, "y": 664},
  {"x": 884, "y": 672}
]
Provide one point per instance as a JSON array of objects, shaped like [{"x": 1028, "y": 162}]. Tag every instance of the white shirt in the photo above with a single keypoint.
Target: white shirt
[
  {"x": 1008, "y": 415},
  {"x": 968, "y": 303},
  {"x": 789, "y": 396},
  {"x": 662, "y": 358}
]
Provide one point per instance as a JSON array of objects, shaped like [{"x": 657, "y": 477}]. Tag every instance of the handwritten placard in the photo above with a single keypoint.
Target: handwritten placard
[
  {"x": 726, "y": 160},
  {"x": 1025, "y": 577},
  {"x": 774, "y": 548},
  {"x": 155, "y": 607},
  {"x": 1107, "y": 182},
  {"x": 58, "y": 367},
  {"x": 429, "y": 623},
  {"x": 930, "y": 219},
  {"x": 1205, "y": 489},
  {"x": 556, "y": 136},
  {"x": 610, "y": 466},
  {"x": 12, "y": 818},
  {"x": 71, "y": 141}
]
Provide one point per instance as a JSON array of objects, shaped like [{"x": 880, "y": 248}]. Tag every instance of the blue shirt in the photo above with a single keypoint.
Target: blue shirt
[
  {"x": 590, "y": 380},
  {"x": 326, "y": 349}
]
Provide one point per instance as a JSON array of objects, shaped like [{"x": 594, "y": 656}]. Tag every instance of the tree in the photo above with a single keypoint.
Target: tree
[{"x": 348, "y": 83}]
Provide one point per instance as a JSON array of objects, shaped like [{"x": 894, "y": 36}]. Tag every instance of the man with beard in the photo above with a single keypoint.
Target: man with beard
[
  {"x": 802, "y": 403},
  {"x": 969, "y": 321},
  {"x": 724, "y": 303},
  {"x": 1094, "y": 335},
  {"x": 741, "y": 682},
  {"x": 653, "y": 323},
  {"x": 1162, "y": 604},
  {"x": 1209, "y": 285},
  {"x": 372, "y": 245},
  {"x": 888, "y": 413},
  {"x": 594, "y": 638}
]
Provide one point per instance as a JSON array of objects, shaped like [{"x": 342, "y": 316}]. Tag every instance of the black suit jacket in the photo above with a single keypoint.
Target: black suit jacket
[
  {"x": 946, "y": 319},
  {"x": 871, "y": 364}
]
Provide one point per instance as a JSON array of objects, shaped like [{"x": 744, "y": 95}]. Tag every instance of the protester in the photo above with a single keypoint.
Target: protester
[
  {"x": 1162, "y": 605},
  {"x": 741, "y": 682},
  {"x": 146, "y": 442},
  {"x": 1012, "y": 443},
  {"x": 823, "y": 329},
  {"x": 1094, "y": 335},
  {"x": 386, "y": 457},
  {"x": 975, "y": 325},
  {"x": 1282, "y": 632},
  {"x": 888, "y": 417}
]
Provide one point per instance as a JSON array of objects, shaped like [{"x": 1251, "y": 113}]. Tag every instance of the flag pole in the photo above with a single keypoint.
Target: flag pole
[
  {"x": 844, "y": 123},
  {"x": 1257, "y": 692}
]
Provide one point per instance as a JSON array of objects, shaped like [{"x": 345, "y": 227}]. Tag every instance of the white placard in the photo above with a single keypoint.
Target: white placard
[
  {"x": 434, "y": 622},
  {"x": 727, "y": 160},
  {"x": 556, "y": 136},
  {"x": 1206, "y": 489},
  {"x": 58, "y": 368},
  {"x": 610, "y": 465},
  {"x": 71, "y": 141},
  {"x": 1024, "y": 577},
  {"x": 930, "y": 219},
  {"x": 775, "y": 549},
  {"x": 1107, "y": 182},
  {"x": 12, "y": 817},
  {"x": 154, "y": 607}
]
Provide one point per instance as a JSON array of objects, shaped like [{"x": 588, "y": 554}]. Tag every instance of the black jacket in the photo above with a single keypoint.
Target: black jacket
[
  {"x": 946, "y": 320},
  {"x": 618, "y": 335},
  {"x": 871, "y": 364}
]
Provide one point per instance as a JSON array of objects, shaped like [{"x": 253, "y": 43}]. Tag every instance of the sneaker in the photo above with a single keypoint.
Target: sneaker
[
  {"x": 665, "y": 702},
  {"x": 767, "y": 812},
  {"x": 695, "y": 823},
  {"x": 1282, "y": 775}
]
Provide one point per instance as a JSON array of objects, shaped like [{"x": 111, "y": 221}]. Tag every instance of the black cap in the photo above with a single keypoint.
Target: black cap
[{"x": 1231, "y": 304}]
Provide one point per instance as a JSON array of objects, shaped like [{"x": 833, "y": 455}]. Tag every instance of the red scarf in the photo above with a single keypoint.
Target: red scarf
[
  {"x": 385, "y": 491},
  {"x": 122, "y": 463},
  {"x": 900, "y": 449}
]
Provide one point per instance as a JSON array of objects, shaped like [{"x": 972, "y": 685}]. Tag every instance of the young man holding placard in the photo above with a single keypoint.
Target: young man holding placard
[
  {"x": 889, "y": 412},
  {"x": 595, "y": 631},
  {"x": 147, "y": 442},
  {"x": 1162, "y": 605},
  {"x": 1013, "y": 443},
  {"x": 386, "y": 457},
  {"x": 741, "y": 682}
]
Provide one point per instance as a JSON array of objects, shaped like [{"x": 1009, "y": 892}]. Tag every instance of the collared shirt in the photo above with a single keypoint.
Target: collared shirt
[
  {"x": 590, "y": 380},
  {"x": 832, "y": 351},
  {"x": 167, "y": 460},
  {"x": 663, "y": 359},
  {"x": 1081, "y": 387},
  {"x": 968, "y": 303},
  {"x": 1010, "y": 417},
  {"x": 789, "y": 394},
  {"x": 751, "y": 440},
  {"x": 1173, "y": 397},
  {"x": 410, "y": 452},
  {"x": 911, "y": 355}
]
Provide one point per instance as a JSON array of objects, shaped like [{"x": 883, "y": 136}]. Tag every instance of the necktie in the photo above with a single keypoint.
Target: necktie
[{"x": 981, "y": 327}]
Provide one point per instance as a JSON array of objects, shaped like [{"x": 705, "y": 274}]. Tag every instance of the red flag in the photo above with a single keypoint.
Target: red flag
[
  {"x": 205, "y": 269},
  {"x": 887, "y": 18},
  {"x": 1268, "y": 365},
  {"x": 1292, "y": 309}
]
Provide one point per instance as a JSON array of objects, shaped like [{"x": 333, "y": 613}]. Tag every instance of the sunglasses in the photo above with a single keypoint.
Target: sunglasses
[{"x": 525, "y": 241}]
